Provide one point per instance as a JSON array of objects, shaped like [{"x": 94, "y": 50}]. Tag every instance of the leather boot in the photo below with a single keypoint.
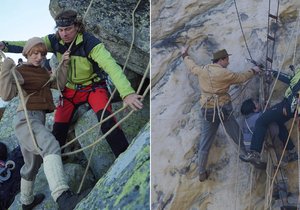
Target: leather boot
[
  {"x": 68, "y": 200},
  {"x": 38, "y": 198}
]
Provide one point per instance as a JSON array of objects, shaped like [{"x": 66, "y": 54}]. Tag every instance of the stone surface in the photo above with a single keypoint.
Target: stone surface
[
  {"x": 127, "y": 184},
  {"x": 207, "y": 26},
  {"x": 74, "y": 174},
  {"x": 102, "y": 156}
]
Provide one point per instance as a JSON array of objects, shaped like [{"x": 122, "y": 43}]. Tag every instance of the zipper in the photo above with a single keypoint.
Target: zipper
[{"x": 74, "y": 68}]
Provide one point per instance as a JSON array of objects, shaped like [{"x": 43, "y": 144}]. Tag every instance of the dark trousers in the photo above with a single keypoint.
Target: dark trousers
[{"x": 274, "y": 114}]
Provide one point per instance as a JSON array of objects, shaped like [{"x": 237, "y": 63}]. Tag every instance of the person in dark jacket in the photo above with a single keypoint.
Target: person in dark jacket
[{"x": 280, "y": 113}]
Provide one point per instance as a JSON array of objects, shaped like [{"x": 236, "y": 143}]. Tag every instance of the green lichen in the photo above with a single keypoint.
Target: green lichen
[
  {"x": 139, "y": 181},
  {"x": 140, "y": 178}
]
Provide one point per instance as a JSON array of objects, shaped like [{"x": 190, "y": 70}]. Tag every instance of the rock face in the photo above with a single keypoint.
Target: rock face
[
  {"x": 127, "y": 184},
  {"x": 207, "y": 26}
]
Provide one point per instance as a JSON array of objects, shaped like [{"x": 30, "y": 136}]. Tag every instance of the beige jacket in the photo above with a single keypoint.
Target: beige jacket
[
  {"x": 32, "y": 80},
  {"x": 215, "y": 81}
]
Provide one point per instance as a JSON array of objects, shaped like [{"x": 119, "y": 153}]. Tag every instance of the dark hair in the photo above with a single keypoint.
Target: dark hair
[
  {"x": 3, "y": 151},
  {"x": 248, "y": 107},
  {"x": 216, "y": 60}
]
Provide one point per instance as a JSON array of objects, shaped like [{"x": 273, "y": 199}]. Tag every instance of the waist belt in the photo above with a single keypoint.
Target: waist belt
[{"x": 91, "y": 87}]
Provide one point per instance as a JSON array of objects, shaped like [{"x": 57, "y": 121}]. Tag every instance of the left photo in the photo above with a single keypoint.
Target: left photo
[{"x": 75, "y": 105}]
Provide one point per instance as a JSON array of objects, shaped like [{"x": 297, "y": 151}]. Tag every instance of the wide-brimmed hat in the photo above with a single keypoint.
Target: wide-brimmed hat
[{"x": 220, "y": 54}]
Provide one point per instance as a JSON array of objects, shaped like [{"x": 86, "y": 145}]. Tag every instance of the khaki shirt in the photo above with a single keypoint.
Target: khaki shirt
[{"x": 215, "y": 81}]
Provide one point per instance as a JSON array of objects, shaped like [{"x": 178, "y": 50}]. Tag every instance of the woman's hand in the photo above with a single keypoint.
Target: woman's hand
[{"x": 133, "y": 100}]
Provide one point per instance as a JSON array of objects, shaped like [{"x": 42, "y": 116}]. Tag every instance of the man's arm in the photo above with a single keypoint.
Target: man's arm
[
  {"x": 282, "y": 77},
  {"x": 12, "y": 46},
  {"x": 104, "y": 59},
  {"x": 189, "y": 62}
]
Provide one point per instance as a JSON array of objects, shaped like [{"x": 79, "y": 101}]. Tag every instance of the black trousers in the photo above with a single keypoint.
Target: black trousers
[{"x": 274, "y": 114}]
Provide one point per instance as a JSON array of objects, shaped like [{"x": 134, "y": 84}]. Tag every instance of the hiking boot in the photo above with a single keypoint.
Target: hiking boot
[
  {"x": 203, "y": 176},
  {"x": 290, "y": 156},
  {"x": 254, "y": 158},
  {"x": 68, "y": 200},
  {"x": 38, "y": 198}
]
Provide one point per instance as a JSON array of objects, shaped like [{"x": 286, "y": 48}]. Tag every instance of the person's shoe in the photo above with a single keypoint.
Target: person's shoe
[
  {"x": 290, "y": 156},
  {"x": 203, "y": 176},
  {"x": 253, "y": 157},
  {"x": 68, "y": 200},
  {"x": 38, "y": 198}
]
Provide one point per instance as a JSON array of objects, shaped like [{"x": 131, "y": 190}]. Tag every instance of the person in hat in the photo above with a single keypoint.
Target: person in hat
[
  {"x": 42, "y": 147},
  {"x": 216, "y": 107},
  {"x": 90, "y": 62}
]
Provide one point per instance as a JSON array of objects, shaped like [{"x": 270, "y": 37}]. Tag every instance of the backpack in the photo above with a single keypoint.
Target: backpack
[{"x": 10, "y": 184}]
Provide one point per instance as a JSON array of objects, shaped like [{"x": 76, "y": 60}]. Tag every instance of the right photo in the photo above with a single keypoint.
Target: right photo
[{"x": 225, "y": 88}]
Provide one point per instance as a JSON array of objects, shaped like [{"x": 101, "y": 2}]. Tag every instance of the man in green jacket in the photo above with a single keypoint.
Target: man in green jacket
[{"x": 86, "y": 79}]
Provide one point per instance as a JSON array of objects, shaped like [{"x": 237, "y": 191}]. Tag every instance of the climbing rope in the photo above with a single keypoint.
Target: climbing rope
[
  {"x": 104, "y": 136},
  {"x": 284, "y": 149},
  {"x": 296, "y": 39},
  {"x": 241, "y": 27},
  {"x": 282, "y": 63},
  {"x": 298, "y": 161},
  {"x": 112, "y": 94}
]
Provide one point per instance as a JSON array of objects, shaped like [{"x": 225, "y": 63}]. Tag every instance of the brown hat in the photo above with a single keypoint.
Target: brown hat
[
  {"x": 220, "y": 54},
  {"x": 30, "y": 44}
]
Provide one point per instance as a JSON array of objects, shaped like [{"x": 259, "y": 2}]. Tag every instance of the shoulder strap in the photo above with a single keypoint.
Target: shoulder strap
[{"x": 88, "y": 46}]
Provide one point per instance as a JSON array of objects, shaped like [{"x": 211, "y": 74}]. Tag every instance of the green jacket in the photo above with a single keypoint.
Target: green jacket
[{"x": 89, "y": 58}]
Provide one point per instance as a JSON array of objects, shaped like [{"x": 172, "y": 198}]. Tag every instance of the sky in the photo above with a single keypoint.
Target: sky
[{"x": 24, "y": 19}]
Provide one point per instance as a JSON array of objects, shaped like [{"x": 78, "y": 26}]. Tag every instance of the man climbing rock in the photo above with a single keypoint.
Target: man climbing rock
[{"x": 215, "y": 80}]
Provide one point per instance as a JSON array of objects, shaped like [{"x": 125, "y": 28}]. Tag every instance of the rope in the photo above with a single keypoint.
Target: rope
[
  {"x": 22, "y": 99},
  {"x": 111, "y": 97},
  {"x": 241, "y": 27},
  {"x": 107, "y": 133},
  {"x": 281, "y": 66},
  {"x": 296, "y": 40},
  {"x": 110, "y": 116},
  {"x": 281, "y": 157},
  {"x": 298, "y": 161},
  {"x": 251, "y": 184}
]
